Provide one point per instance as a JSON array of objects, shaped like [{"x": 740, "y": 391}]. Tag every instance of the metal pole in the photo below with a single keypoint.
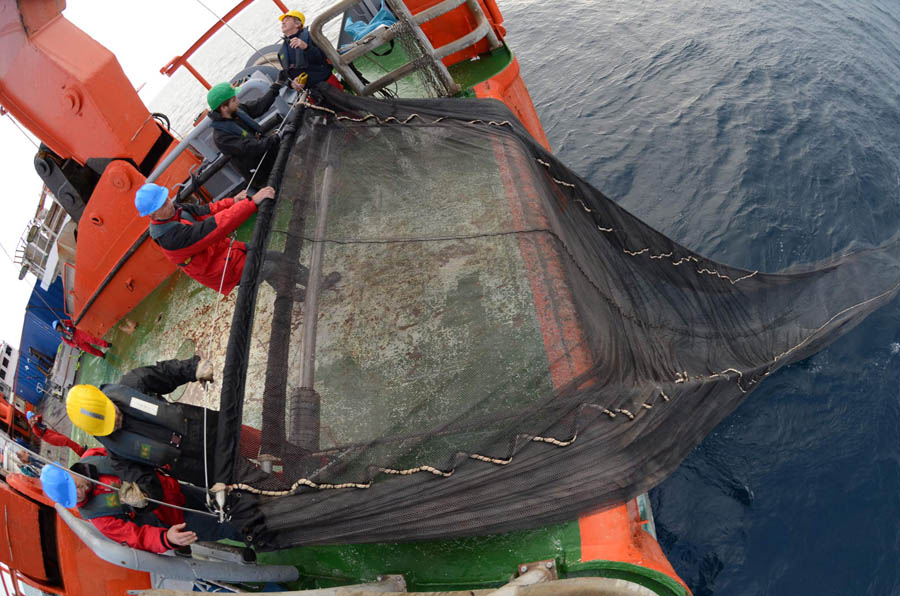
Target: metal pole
[
  {"x": 305, "y": 403},
  {"x": 311, "y": 310},
  {"x": 318, "y": 36}
]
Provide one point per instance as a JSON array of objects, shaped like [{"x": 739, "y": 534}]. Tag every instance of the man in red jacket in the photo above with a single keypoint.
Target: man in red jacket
[
  {"x": 49, "y": 435},
  {"x": 124, "y": 515},
  {"x": 80, "y": 340},
  {"x": 195, "y": 237}
]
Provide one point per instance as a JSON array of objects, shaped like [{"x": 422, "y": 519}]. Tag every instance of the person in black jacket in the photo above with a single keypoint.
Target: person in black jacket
[
  {"x": 136, "y": 425},
  {"x": 143, "y": 433},
  {"x": 298, "y": 53},
  {"x": 236, "y": 133}
]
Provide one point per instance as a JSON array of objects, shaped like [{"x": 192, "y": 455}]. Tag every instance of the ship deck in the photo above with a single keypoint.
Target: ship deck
[{"x": 441, "y": 297}]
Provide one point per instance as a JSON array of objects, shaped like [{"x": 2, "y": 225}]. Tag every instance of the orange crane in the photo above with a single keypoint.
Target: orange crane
[{"x": 99, "y": 144}]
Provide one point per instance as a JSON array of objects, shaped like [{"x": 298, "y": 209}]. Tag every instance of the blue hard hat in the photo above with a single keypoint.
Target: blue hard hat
[
  {"x": 150, "y": 197},
  {"x": 58, "y": 485},
  {"x": 54, "y": 323},
  {"x": 29, "y": 415}
]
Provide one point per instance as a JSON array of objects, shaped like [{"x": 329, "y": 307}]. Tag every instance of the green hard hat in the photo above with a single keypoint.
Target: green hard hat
[{"x": 219, "y": 94}]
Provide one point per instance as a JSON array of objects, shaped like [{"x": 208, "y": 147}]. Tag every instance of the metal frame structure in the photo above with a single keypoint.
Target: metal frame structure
[{"x": 342, "y": 60}]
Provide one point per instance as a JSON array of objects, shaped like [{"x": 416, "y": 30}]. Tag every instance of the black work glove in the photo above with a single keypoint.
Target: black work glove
[
  {"x": 272, "y": 142},
  {"x": 282, "y": 77}
]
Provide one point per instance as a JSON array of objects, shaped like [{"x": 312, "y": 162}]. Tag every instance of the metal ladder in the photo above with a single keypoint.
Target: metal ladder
[{"x": 405, "y": 19}]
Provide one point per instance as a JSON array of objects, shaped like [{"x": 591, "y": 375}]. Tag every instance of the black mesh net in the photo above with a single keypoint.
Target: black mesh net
[{"x": 445, "y": 332}]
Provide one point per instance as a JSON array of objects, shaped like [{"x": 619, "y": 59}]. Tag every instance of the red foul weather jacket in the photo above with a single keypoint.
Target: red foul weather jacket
[
  {"x": 122, "y": 529},
  {"x": 49, "y": 435},
  {"x": 196, "y": 239},
  {"x": 82, "y": 340}
]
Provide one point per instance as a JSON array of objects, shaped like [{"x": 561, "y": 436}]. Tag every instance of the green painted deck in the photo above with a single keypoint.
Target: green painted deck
[{"x": 467, "y": 73}]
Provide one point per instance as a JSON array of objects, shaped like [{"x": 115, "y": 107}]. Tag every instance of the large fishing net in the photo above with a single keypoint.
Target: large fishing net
[{"x": 443, "y": 331}]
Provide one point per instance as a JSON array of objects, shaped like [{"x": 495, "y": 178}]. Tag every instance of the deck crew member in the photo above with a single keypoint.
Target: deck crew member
[
  {"x": 80, "y": 340},
  {"x": 236, "y": 133},
  {"x": 137, "y": 425},
  {"x": 123, "y": 513},
  {"x": 45, "y": 433},
  {"x": 195, "y": 237},
  {"x": 298, "y": 53}
]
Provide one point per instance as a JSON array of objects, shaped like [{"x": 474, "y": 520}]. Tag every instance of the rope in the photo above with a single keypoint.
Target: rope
[
  {"x": 219, "y": 513},
  {"x": 680, "y": 378},
  {"x": 38, "y": 147},
  {"x": 41, "y": 298},
  {"x": 22, "y": 130},
  {"x": 232, "y": 29},
  {"x": 627, "y": 416},
  {"x": 411, "y": 117},
  {"x": 59, "y": 316},
  {"x": 410, "y": 471},
  {"x": 407, "y": 120}
]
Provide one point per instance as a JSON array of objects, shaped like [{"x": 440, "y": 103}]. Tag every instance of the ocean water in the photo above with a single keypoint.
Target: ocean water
[{"x": 762, "y": 134}]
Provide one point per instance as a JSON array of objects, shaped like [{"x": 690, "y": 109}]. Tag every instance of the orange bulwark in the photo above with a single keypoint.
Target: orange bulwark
[
  {"x": 45, "y": 554},
  {"x": 616, "y": 534},
  {"x": 96, "y": 115}
]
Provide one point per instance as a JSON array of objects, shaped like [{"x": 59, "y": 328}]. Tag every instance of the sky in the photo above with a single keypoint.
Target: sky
[{"x": 144, "y": 37}]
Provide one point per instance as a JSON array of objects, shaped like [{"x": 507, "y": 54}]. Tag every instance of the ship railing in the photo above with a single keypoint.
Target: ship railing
[
  {"x": 172, "y": 567},
  {"x": 342, "y": 61},
  {"x": 179, "y": 61},
  {"x": 35, "y": 245}
]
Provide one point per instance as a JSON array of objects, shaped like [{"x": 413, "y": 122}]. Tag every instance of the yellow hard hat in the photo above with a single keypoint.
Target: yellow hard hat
[
  {"x": 90, "y": 410},
  {"x": 296, "y": 14}
]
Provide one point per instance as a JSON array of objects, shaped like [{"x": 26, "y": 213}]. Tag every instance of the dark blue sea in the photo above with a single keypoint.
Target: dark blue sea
[{"x": 762, "y": 134}]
